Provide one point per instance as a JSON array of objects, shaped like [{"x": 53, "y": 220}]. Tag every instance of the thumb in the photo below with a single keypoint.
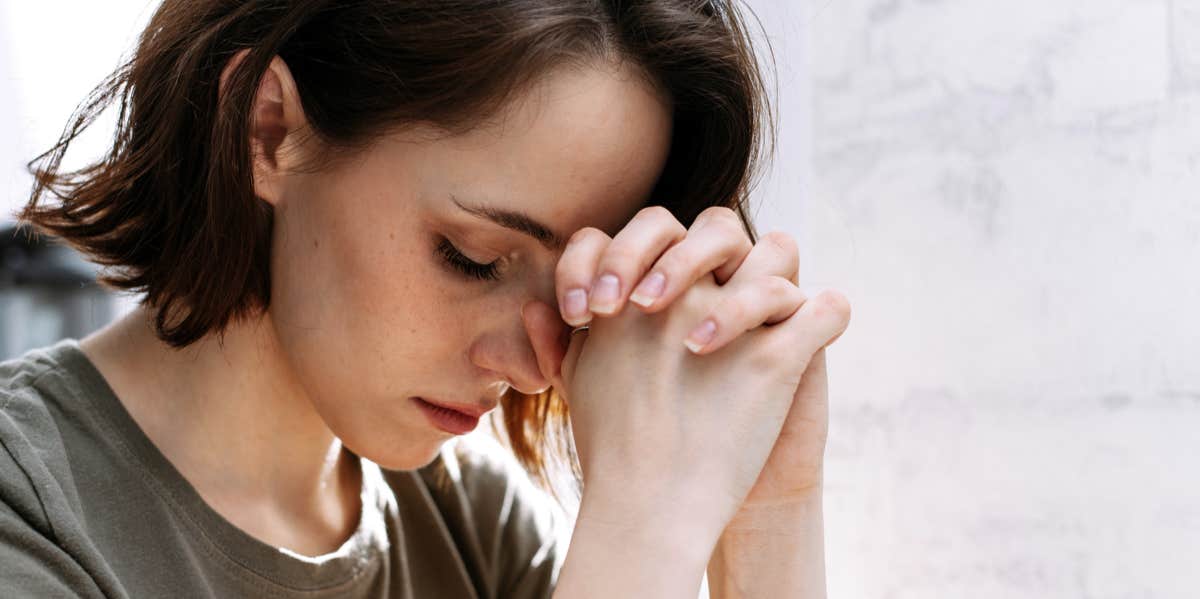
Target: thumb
[
  {"x": 574, "y": 348},
  {"x": 547, "y": 336}
]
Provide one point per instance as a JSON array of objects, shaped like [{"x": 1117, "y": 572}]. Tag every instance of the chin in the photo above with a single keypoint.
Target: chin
[{"x": 401, "y": 458}]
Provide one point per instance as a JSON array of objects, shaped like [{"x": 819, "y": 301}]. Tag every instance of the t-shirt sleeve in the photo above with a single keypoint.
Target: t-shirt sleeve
[
  {"x": 32, "y": 565},
  {"x": 32, "y": 562},
  {"x": 519, "y": 529}
]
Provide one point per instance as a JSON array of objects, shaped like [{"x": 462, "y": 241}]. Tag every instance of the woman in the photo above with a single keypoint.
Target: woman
[{"x": 360, "y": 226}]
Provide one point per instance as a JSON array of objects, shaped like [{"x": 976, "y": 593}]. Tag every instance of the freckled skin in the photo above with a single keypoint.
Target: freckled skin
[{"x": 371, "y": 314}]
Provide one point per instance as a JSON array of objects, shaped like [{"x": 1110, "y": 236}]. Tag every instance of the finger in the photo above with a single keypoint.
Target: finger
[
  {"x": 547, "y": 336},
  {"x": 716, "y": 244},
  {"x": 819, "y": 321},
  {"x": 635, "y": 248},
  {"x": 811, "y": 400},
  {"x": 723, "y": 217},
  {"x": 575, "y": 271},
  {"x": 775, "y": 254},
  {"x": 570, "y": 359},
  {"x": 766, "y": 300},
  {"x": 800, "y": 448},
  {"x": 765, "y": 293}
]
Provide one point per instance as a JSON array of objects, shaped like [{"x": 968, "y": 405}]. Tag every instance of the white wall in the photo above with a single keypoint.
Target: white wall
[
  {"x": 1009, "y": 193},
  {"x": 52, "y": 53}
]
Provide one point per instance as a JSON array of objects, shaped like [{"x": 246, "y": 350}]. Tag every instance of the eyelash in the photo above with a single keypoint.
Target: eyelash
[{"x": 466, "y": 266}]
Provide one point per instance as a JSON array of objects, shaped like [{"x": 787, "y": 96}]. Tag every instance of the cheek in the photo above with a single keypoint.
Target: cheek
[
  {"x": 359, "y": 313},
  {"x": 366, "y": 319}
]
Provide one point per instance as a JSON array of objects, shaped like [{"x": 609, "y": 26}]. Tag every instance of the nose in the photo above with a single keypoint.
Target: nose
[{"x": 524, "y": 349}]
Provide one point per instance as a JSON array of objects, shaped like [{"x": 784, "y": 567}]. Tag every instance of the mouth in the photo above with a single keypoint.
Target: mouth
[{"x": 456, "y": 420}]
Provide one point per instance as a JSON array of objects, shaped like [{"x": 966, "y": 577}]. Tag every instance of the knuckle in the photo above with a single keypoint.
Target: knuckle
[
  {"x": 675, "y": 261},
  {"x": 566, "y": 273},
  {"x": 832, "y": 303},
  {"x": 734, "y": 311},
  {"x": 655, "y": 214},
  {"x": 732, "y": 235},
  {"x": 585, "y": 235},
  {"x": 619, "y": 256},
  {"x": 695, "y": 302},
  {"x": 723, "y": 213},
  {"x": 769, "y": 353},
  {"x": 727, "y": 222},
  {"x": 579, "y": 256},
  {"x": 776, "y": 286},
  {"x": 662, "y": 221},
  {"x": 782, "y": 243}
]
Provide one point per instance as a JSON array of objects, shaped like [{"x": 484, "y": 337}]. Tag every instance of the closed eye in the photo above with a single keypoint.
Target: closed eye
[{"x": 464, "y": 265}]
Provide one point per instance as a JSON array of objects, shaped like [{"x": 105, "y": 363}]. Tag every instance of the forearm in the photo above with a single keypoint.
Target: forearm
[
  {"x": 614, "y": 555},
  {"x": 776, "y": 551}
]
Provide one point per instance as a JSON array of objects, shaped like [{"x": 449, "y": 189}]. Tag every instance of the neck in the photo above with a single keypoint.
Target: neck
[{"x": 230, "y": 415}]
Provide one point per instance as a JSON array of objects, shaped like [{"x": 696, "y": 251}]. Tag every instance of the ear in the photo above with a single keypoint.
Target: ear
[{"x": 276, "y": 121}]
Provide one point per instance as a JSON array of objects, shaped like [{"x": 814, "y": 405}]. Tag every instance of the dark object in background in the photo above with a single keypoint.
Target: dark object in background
[{"x": 47, "y": 292}]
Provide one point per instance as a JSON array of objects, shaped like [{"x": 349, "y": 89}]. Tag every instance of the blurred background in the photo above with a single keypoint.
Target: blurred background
[{"x": 1008, "y": 193}]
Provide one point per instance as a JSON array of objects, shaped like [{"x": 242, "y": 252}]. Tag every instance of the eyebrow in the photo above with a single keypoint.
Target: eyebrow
[{"x": 516, "y": 221}]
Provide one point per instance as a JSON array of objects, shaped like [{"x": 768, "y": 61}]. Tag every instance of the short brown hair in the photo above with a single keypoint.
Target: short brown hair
[{"x": 170, "y": 209}]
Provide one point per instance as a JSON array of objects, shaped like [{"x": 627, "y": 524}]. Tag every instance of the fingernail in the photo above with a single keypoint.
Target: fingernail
[
  {"x": 604, "y": 294},
  {"x": 575, "y": 306},
  {"x": 650, "y": 289},
  {"x": 701, "y": 335}
]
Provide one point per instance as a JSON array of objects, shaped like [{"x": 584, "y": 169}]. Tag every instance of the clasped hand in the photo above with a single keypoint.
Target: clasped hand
[{"x": 707, "y": 396}]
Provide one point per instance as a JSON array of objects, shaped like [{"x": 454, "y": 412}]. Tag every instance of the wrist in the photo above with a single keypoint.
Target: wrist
[
  {"x": 771, "y": 549},
  {"x": 691, "y": 512},
  {"x": 680, "y": 531},
  {"x": 638, "y": 554},
  {"x": 782, "y": 517}
]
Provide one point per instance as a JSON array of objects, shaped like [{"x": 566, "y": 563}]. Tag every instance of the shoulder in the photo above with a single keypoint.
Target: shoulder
[
  {"x": 41, "y": 386},
  {"x": 496, "y": 487},
  {"x": 22, "y": 383},
  {"x": 38, "y": 389},
  {"x": 33, "y": 391},
  {"x": 492, "y": 508},
  {"x": 485, "y": 469},
  {"x": 33, "y": 561}
]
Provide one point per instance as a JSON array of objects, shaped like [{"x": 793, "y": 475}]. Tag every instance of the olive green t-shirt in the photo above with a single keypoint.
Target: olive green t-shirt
[{"x": 90, "y": 508}]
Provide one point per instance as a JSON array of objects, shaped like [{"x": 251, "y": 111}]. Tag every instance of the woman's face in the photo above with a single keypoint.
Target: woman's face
[{"x": 368, "y": 299}]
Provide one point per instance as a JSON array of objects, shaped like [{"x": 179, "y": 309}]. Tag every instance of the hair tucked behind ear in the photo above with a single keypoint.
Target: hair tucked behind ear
[{"x": 170, "y": 209}]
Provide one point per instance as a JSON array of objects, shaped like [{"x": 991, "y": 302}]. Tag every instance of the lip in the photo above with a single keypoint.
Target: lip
[
  {"x": 452, "y": 418},
  {"x": 472, "y": 411}
]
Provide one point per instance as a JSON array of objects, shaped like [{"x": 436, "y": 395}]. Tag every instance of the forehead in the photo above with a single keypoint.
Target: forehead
[{"x": 582, "y": 147}]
